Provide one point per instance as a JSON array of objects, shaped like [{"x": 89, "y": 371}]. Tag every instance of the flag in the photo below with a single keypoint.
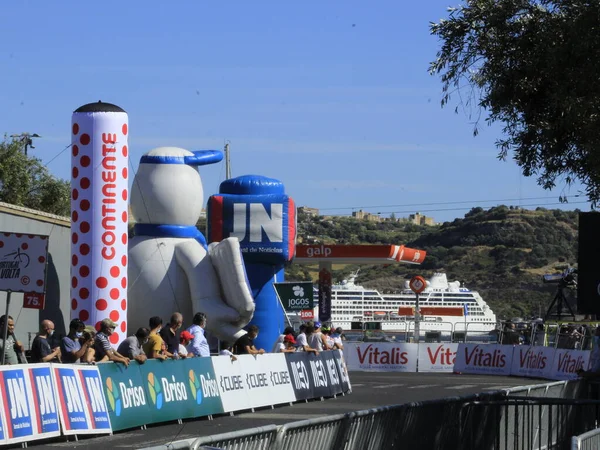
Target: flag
[{"x": 466, "y": 307}]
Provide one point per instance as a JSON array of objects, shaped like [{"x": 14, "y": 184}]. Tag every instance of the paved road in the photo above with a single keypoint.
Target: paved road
[{"x": 370, "y": 390}]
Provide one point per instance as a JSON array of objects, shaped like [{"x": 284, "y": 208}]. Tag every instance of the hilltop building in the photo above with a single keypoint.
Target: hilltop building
[
  {"x": 361, "y": 215},
  {"x": 312, "y": 212},
  {"x": 419, "y": 219}
]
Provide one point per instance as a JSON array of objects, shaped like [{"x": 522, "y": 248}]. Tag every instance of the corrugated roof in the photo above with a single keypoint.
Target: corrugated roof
[{"x": 42, "y": 216}]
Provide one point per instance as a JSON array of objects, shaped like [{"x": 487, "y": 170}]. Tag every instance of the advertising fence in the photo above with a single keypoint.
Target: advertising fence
[
  {"x": 485, "y": 359},
  {"x": 46, "y": 400}
]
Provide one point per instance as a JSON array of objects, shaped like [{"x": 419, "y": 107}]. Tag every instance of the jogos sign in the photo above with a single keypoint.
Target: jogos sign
[{"x": 295, "y": 296}]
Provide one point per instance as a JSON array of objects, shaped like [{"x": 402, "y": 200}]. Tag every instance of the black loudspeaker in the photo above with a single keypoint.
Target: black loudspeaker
[{"x": 588, "y": 262}]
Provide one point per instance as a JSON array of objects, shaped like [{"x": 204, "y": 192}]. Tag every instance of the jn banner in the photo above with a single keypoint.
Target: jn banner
[{"x": 18, "y": 409}]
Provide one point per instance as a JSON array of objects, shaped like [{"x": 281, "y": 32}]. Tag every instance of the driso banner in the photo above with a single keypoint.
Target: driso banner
[
  {"x": 126, "y": 397},
  {"x": 295, "y": 296},
  {"x": 203, "y": 384},
  {"x": 175, "y": 388}
]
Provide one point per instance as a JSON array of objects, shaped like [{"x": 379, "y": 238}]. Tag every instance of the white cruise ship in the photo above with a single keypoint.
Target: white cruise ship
[{"x": 444, "y": 306}]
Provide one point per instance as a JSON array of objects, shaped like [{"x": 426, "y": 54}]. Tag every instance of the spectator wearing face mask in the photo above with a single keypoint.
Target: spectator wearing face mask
[
  {"x": 71, "y": 348},
  {"x": 154, "y": 348},
  {"x": 40, "y": 347}
]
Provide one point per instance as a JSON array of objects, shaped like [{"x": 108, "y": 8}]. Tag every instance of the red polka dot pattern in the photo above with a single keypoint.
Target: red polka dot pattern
[{"x": 99, "y": 190}]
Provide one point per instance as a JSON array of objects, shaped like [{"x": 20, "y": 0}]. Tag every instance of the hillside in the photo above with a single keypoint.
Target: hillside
[{"x": 501, "y": 253}]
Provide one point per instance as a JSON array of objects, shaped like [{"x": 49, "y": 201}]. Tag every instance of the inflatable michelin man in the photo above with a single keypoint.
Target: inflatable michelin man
[{"x": 170, "y": 266}]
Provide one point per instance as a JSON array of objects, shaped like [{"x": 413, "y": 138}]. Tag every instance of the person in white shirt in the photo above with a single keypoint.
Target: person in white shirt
[
  {"x": 199, "y": 344},
  {"x": 337, "y": 338},
  {"x": 227, "y": 352},
  {"x": 185, "y": 337},
  {"x": 279, "y": 341},
  {"x": 302, "y": 342}
]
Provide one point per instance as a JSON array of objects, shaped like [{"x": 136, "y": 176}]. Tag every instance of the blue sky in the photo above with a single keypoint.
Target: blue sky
[{"x": 332, "y": 98}]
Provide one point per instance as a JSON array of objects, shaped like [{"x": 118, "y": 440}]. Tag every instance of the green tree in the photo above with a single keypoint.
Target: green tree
[
  {"x": 533, "y": 66},
  {"x": 25, "y": 181}
]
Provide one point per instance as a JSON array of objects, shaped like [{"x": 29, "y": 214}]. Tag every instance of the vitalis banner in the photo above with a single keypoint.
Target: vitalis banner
[{"x": 381, "y": 356}]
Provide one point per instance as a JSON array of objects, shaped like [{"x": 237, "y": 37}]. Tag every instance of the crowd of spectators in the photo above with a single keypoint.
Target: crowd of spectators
[{"x": 86, "y": 344}]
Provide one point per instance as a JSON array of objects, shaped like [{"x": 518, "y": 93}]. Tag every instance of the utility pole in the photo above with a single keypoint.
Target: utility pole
[
  {"x": 227, "y": 162},
  {"x": 26, "y": 139}
]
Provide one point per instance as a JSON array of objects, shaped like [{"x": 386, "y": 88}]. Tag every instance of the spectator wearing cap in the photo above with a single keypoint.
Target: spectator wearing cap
[
  {"x": 185, "y": 337},
  {"x": 102, "y": 344},
  {"x": 155, "y": 348},
  {"x": 316, "y": 339},
  {"x": 288, "y": 344},
  {"x": 132, "y": 346},
  {"x": 288, "y": 330},
  {"x": 71, "y": 348},
  {"x": 169, "y": 334}
]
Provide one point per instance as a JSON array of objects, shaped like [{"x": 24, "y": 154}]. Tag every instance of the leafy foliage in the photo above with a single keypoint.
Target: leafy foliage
[
  {"x": 532, "y": 65},
  {"x": 25, "y": 181}
]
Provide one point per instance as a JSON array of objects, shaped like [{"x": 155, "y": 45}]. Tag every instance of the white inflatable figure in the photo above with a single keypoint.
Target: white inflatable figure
[{"x": 170, "y": 267}]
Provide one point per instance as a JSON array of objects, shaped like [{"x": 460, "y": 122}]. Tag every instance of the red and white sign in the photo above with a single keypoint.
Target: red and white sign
[
  {"x": 33, "y": 300},
  {"x": 381, "y": 357},
  {"x": 567, "y": 362},
  {"x": 437, "y": 357},
  {"x": 532, "y": 361},
  {"x": 307, "y": 314},
  {"x": 417, "y": 284},
  {"x": 99, "y": 215},
  {"x": 23, "y": 259},
  {"x": 485, "y": 359}
]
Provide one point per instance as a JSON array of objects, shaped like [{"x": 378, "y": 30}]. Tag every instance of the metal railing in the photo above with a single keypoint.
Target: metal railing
[
  {"x": 586, "y": 441},
  {"x": 544, "y": 416}
]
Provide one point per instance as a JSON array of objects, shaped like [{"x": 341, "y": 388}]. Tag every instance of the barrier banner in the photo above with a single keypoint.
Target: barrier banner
[
  {"x": 76, "y": 414},
  {"x": 533, "y": 362},
  {"x": 126, "y": 397},
  {"x": 299, "y": 369},
  {"x": 202, "y": 380},
  {"x": 94, "y": 398},
  {"x": 333, "y": 374},
  {"x": 19, "y": 412},
  {"x": 175, "y": 391},
  {"x": 437, "y": 357},
  {"x": 44, "y": 400},
  {"x": 343, "y": 370},
  {"x": 279, "y": 378},
  {"x": 319, "y": 378},
  {"x": 382, "y": 356},
  {"x": 486, "y": 359},
  {"x": 567, "y": 362},
  {"x": 257, "y": 375},
  {"x": 229, "y": 377}
]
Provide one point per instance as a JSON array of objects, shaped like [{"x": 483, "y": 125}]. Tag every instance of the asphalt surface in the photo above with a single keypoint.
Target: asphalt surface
[{"x": 370, "y": 390}]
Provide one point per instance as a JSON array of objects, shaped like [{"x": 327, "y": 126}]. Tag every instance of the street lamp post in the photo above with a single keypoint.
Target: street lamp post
[{"x": 26, "y": 139}]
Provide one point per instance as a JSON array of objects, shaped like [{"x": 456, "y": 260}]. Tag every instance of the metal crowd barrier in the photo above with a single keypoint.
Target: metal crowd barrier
[
  {"x": 586, "y": 441},
  {"x": 544, "y": 416}
]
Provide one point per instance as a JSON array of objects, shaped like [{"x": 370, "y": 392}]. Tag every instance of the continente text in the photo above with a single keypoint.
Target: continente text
[{"x": 109, "y": 212}]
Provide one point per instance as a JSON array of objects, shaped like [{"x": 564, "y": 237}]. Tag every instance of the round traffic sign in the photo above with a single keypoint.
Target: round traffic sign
[{"x": 417, "y": 284}]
